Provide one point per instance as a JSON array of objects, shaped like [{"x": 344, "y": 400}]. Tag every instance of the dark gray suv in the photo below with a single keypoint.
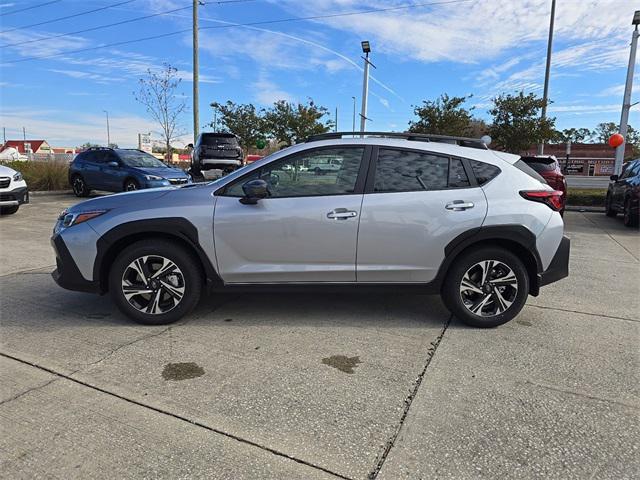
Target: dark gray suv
[{"x": 216, "y": 151}]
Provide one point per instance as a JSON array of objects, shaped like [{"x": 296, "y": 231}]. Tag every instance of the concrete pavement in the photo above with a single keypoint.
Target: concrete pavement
[{"x": 554, "y": 393}]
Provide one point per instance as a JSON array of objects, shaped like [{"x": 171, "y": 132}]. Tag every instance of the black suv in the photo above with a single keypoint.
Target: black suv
[
  {"x": 623, "y": 194},
  {"x": 216, "y": 151}
]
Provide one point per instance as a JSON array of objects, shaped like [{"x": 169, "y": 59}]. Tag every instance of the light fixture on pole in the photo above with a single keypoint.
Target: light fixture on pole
[
  {"x": 353, "y": 127},
  {"x": 545, "y": 94},
  {"x": 626, "y": 102},
  {"x": 366, "y": 49},
  {"x": 108, "y": 132}
]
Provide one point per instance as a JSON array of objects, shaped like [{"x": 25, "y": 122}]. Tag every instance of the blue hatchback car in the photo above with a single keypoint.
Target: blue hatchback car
[{"x": 120, "y": 170}]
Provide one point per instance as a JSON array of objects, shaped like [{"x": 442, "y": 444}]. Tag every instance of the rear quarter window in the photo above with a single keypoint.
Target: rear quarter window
[{"x": 484, "y": 172}]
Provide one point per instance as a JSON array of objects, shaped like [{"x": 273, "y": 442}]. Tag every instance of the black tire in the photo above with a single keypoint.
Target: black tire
[
  {"x": 453, "y": 298},
  {"x": 9, "y": 210},
  {"x": 608, "y": 209},
  {"x": 317, "y": 171},
  {"x": 188, "y": 277},
  {"x": 79, "y": 186},
  {"x": 130, "y": 185},
  {"x": 630, "y": 219}
]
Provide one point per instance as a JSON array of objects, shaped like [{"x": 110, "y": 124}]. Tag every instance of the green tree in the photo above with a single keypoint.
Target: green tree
[
  {"x": 243, "y": 120},
  {"x": 575, "y": 135},
  {"x": 158, "y": 93},
  {"x": 603, "y": 131},
  {"x": 87, "y": 145},
  {"x": 517, "y": 124},
  {"x": 444, "y": 116},
  {"x": 290, "y": 123}
]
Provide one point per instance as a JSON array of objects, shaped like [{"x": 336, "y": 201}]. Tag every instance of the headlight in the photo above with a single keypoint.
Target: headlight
[
  {"x": 17, "y": 177},
  {"x": 153, "y": 177},
  {"x": 70, "y": 219}
]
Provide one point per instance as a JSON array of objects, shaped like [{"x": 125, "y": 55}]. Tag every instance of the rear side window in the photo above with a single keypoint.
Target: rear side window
[
  {"x": 485, "y": 172},
  {"x": 523, "y": 167},
  {"x": 407, "y": 171}
]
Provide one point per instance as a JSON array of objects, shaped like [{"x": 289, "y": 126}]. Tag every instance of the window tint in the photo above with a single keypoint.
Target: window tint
[
  {"x": 96, "y": 156},
  {"x": 485, "y": 172},
  {"x": 457, "y": 175},
  {"x": 405, "y": 171},
  {"x": 522, "y": 166},
  {"x": 317, "y": 172},
  {"x": 540, "y": 164}
]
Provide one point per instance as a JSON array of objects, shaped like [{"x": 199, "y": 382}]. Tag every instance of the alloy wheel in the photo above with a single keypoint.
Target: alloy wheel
[
  {"x": 488, "y": 288},
  {"x": 130, "y": 187},
  {"x": 78, "y": 186},
  {"x": 153, "y": 284}
]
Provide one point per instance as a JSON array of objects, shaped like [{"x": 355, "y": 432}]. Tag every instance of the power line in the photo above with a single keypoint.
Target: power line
[
  {"x": 249, "y": 24},
  {"x": 59, "y": 19},
  {"x": 30, "y": 8},
  {"x": 100, "y": 27}
]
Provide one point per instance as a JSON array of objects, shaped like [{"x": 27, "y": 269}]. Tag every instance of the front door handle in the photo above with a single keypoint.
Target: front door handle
[
  {"x": 459, "y": 205},
  {"x": 341, "y": 214}
]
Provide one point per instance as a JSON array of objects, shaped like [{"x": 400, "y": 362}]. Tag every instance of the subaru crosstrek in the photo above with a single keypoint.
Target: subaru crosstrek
[
  {"x": 120, "y": 169},
  {"x": 412, "y": 212}
]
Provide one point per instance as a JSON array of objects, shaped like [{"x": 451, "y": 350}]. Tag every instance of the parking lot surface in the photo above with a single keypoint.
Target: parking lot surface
[{"x": 321, "y": 386}]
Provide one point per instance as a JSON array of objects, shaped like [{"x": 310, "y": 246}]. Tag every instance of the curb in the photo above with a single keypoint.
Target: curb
[
  {"x": 591, "y": 209},
  {"x": 38, "y": 193}
]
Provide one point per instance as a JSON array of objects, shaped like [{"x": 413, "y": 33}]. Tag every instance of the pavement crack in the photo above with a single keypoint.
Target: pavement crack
[
  {"x": 611, "y": 237},
  {"x": 585, "y": 313},
  {"x": 407, "y": 402},
  {"x": 32, "y": 389},
  {"x": 175, "y": 416},
  {"x": 581, "y": 394}
]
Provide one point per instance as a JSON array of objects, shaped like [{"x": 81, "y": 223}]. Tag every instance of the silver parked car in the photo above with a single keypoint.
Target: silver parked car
[{"x": 417, "y": 213}]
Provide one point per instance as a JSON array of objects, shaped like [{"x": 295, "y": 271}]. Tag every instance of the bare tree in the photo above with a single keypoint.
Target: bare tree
[{"x": 158, "y": 94}]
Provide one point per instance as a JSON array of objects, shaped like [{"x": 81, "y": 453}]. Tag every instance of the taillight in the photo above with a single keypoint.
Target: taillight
[{"x": 551, "y": 198}]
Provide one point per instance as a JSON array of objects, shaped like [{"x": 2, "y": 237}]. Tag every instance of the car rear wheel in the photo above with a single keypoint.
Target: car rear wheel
[
  {"x": 630, "y": 218},
  {"x": 486, "y": 287},
  {"x": 155, "y": 282},
  {"x": 609, "y": 211},
  {"x": 131, "y": 185},
  {"x": 79, "y": 186},
  {"x": 9, "y": 210}
]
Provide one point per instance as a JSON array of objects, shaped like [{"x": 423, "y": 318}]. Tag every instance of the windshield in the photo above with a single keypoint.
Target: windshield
[{"x": 133, "y": 158}]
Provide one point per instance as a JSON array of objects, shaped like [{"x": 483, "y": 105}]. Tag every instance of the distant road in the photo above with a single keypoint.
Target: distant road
[{"x": 580, "y": 181}]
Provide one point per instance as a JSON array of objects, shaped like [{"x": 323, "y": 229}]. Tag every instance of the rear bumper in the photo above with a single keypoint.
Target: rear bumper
[
  {"x": 67, "y": 274},
  {"x": 12, "y": 198},
  {"x": 559, "y": 266}
]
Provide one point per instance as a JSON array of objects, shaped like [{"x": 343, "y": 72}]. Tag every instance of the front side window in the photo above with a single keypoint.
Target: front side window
[
  {"x": 135, "y": 158},
  {"x": 331, "y": 171},
  {"x": 407, "y": 171}
]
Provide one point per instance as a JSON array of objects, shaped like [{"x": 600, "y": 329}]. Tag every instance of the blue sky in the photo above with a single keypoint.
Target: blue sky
[{"x": 479, "y": 47}]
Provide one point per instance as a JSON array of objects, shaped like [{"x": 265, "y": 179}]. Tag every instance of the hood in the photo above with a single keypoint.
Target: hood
[
  {"x": 6, "y": 171},
  {"x": 116, "y": 200},
  {"x": 165, "y": 172}
]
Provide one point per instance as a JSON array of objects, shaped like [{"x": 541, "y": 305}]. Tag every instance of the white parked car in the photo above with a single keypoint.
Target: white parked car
[{"x": 13, "y": 190}]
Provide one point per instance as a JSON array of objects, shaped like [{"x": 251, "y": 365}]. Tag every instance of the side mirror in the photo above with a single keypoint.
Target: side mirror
[
  {"x": 614, "y": 178},
  {"x": 254, "y": 190},
  {"x": 113, "y": 164}
]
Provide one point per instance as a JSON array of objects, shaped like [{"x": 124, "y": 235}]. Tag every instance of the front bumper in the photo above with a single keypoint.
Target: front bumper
[
  {"x": 15, "y": 197},
  {"x": 67, "y": 274},
  {"x": 559, "y": 266}
]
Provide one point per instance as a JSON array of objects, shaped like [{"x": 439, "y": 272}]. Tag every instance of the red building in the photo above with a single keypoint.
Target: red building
[{"x": 585, "y": 158}]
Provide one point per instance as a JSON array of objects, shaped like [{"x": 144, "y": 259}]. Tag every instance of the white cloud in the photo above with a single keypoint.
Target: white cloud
[
  {"x": 618, "y": 90},
  {"x": 266, "y": 92}
]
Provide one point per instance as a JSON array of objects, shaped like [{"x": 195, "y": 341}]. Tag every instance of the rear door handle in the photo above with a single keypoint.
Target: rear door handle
[
  {"x": 341, "y": 214},
  {"x": 459, "y": 205}
]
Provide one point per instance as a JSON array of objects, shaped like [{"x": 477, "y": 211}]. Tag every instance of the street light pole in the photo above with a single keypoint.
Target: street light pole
[
  {"x": 626, "y": 102},
  {"x": 545, "y": 95},
  {"x": 108, "y": 131},
  {"x": 196, "y": 68},
  {"x": 366, "y": 49}
]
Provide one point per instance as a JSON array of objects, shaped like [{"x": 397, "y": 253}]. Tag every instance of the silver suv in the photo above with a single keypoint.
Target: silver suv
[{"x": 416, "y": 213}]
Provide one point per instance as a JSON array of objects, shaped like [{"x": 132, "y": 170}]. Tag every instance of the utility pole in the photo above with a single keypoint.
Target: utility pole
[
  {"x": 545, "y": 95},
  {"x": 108, "y": 131},
  {"x": 24, "y": 134},
  {"x": 196, "y": 67},
  {"x": 4, "y": 135},
  {"x": 335, "y": 127},
  {"x": 626, "y": 102},
  {"x": 366, "y": 49},
  {"x": 353, "y": 127}
]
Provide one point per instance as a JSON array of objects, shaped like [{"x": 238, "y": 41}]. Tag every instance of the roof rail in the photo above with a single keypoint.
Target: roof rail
[
  {"x": 417, "y": 137},
  {"x": 98, "y": 148}
]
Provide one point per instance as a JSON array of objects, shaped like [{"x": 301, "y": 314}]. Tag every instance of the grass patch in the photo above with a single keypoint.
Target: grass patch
[
  {"x": 588, "y": 197},
  {"x": 42, "y": 175}
]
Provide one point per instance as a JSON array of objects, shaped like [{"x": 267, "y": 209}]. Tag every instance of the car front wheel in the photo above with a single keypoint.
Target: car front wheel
[
  {"x": 131, "y": 185},
  {"x": 155, "y": 282},
  {"x": 79, "y": 186},
  {"x": 486, "y": 287}
]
